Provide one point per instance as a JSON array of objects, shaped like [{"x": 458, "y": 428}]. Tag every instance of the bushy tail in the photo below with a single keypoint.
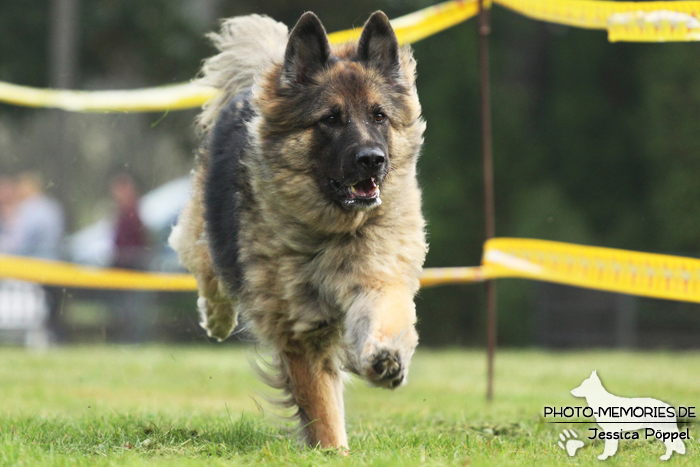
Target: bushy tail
[{"x": 246, "y": 45}]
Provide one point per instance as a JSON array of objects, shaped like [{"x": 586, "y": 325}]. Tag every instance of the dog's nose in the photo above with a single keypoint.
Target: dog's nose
[{"x": 371, "y": 158}]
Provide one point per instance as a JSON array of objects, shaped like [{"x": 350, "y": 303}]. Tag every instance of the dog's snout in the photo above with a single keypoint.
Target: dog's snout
[{"x": 371, "y": 158}]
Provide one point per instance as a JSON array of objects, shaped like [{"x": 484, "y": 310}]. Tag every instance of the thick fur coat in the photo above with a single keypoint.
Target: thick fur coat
[{"x": 305, "y": 215}]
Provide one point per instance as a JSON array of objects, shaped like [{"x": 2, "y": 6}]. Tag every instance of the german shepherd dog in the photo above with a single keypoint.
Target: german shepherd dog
[{"x": 305, "y": 214}]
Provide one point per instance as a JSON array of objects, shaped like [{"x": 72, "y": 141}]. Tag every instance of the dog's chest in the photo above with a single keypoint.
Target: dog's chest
[{"x": 327, "y": 276}]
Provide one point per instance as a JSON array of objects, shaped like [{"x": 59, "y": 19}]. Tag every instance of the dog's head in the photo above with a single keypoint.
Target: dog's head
[
  {"x": 346, "y": 117},
  {"x": 589, "y": 386}
]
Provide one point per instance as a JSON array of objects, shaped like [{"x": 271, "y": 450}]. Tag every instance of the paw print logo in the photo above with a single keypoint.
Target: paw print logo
[{"x": 570, "y": 442}]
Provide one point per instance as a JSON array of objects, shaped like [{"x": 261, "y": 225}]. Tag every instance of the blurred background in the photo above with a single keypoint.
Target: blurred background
[{"x": 594, "y": 143}]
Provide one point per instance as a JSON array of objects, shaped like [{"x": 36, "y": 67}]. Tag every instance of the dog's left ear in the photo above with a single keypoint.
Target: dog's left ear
[{"x": 378, "y": 45}]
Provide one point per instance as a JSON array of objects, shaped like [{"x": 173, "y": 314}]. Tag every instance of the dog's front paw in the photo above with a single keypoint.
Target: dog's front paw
[
  {"x": 384, "y": 360},
  {"x": 386, "y": 369}
]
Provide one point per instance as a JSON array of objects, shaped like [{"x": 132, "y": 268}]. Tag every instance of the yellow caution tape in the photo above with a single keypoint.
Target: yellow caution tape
[
  {"x": 57, "y": 273},
  {"x": 656, "y": 26},
  {"x": 629, "y": 272},
  {"x": 174, "y": 97},
  {"x": 625, "y": 21},
  {"x": 423, "y": 23},
  {"x": 71, "y": 275},
  {"x": 410, "y": 28},
  {"x": 442, "y": 276}
]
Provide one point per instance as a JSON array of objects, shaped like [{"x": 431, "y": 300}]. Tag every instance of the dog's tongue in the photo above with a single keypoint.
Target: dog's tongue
[{"x": 365, "y": 188}]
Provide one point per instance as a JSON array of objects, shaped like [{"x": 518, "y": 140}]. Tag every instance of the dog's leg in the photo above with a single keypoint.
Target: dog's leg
[
  {"x": 609, "y": 450},
  {"x": 381, "y": 335},
  {"x": 217, "y": 310},
  {"x": 218, "y": 314},
  {"x": 316, "y": 387}
]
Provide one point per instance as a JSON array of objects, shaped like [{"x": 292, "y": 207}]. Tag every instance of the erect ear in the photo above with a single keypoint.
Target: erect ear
[
  {"x": 594, "y": 375},
  {"x": 308, "y": 50},
  {"x": 378, "y": 45}
]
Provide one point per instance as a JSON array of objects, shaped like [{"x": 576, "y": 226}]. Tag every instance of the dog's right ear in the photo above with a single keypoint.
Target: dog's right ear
[{"x": 308, "y": 51}]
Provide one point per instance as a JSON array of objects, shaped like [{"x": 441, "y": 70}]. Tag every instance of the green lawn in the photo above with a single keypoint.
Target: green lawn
[{"x": 202, "y": 405}]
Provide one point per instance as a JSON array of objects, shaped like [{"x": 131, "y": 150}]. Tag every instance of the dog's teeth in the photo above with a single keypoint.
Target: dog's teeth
[{"x": 352, "y": 189}]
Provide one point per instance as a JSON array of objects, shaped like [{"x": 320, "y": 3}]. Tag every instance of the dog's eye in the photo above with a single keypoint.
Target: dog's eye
[
  {"x": 331, "y": 120},
  {"x": 379, "y": 117}
]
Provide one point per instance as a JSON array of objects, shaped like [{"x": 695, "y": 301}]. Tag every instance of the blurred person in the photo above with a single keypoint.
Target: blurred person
[
  {"x": 32, "y": 224},
  {"x": 35, "y": 226},
  {"x": 131, "y": 238},
  {"x": 8, "y": 202},
  {"x": 131, "y": 309}
]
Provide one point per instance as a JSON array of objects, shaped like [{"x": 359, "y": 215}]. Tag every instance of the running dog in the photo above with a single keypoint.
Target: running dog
[{"x": 305, "y": 214}]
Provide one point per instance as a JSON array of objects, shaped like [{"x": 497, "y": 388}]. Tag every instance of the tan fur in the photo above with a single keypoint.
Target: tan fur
[
  {"x": 247, "y": 44},
  {"x": 317, "y": 392},
  {"x": 363, "y": 266}
]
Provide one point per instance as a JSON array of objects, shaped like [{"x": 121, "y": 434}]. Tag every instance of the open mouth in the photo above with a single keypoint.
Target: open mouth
[
  {"x": 361, "y": 194},
  {"x": 364, "y": 189}
]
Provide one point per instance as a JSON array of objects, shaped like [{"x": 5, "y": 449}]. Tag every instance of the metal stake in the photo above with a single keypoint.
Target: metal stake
[{"x": 489, "y": 204}]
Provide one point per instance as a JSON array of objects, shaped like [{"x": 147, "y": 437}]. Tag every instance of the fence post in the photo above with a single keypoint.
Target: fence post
[{"x": 484, "y": 30}]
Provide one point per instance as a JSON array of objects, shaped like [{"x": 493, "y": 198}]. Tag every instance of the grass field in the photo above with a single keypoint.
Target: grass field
[{"x": 202, "y": 405}]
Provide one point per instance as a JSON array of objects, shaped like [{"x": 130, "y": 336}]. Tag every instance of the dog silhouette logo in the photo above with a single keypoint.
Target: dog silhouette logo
[{"x": 621, "y": 418}]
